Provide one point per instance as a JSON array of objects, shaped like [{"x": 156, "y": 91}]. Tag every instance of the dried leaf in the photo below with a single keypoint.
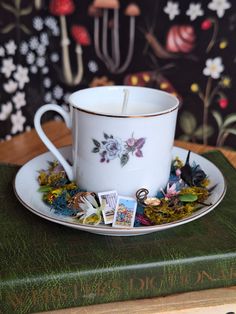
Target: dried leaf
[
  {"x": 44, "y": 189},
  {"x": 188, "y": 198}
]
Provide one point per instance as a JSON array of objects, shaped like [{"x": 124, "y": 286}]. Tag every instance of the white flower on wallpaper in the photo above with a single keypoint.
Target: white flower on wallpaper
[
  {"x": 21, "y": 76},
  {"x": 40, "y": 62},
  {"x": 2, "y": 52},
  {"x": 16, "y": 75},
  {"x": 219, "y": 6},
  {"x": 7, "y": 67},
  {"x": 33, "y": 69},
  {"x": 45, "y": 70},
  {"x": 48, "y": 97},
  {"x": 18, "y": 121},
  {"x": 41, "y": 49},
  {"x": 214, "y": 67},
  {"x": 6, "y": 110},
  {"x": 19, "y": 100},
  {"x": 57, "y": 92},
  {"x": 36, "y": 50},
  {"x": 47, "y": 82},
  {"x": 44, "y": 39},
  {"x": 38, "y": 23},
  {"x": 52, "y": 24},
  {"x": 33, "y": 43},
  {"x": 11, "y": 47},
  {"x": 10, "y": 87},
  {"x": 172, "y": 9},
  {"x": 194, "y": 11},
  {"x": 54, "y": 57},
  {"x": 92, "y": 66},
  {"x": 24, "y": 48},
  {"x": 66, "y": 98},
  {"x": 30, "y": 58}
]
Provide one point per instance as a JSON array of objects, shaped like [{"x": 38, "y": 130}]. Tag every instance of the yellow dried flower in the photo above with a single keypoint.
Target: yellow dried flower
[{"x": 178, "y": 163}]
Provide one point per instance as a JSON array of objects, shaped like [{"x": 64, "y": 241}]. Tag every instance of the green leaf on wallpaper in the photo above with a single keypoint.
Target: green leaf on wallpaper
[
  {"x": 9, "y": 8},
  {"x": 231, "y": 118},
  {"x": 218, "y": 118},
  {"x": 17, "y": 4},
  {"x": 184, "y": 137},
  {"x": 7, "y": 28},
  {"x": 231, "y": 131},
  {"x": 188, "y": 122},
  {"x": 199, "y": 132},
  {"x": 25, "y": 29},
  {"x": 26, "y": 11}
]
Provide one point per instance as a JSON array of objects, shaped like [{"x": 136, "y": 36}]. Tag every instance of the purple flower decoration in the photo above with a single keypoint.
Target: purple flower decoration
[{"x": 113, "y": 147}]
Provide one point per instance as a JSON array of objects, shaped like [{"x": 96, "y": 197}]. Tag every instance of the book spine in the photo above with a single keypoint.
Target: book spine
[{"x": 81, "y": 288}]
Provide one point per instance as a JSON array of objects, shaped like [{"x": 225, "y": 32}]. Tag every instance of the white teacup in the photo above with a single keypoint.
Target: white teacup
[{"x": 122, "y": 138}]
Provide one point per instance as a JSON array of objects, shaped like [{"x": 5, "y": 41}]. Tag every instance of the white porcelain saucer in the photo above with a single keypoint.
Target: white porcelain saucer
[{"x": 26, "y": 186}]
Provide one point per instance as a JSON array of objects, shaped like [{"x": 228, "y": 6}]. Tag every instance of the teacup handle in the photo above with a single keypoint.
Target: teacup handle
[{"x": 37, "y": 124}]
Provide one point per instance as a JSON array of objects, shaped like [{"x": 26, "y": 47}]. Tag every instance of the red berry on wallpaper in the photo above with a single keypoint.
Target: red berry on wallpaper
[
  {"x": 223, "y": 103},
  {"x": 206, "y": 24}
]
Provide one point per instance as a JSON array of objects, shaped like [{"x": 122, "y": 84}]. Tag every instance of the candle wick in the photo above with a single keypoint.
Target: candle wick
[{"x": 125, "y": 101}]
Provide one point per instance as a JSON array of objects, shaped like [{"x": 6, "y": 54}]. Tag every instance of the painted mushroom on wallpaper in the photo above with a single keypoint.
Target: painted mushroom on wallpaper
[
  {"x": 99, "y": 9},
  {"x": 82, "y": 38},
  {"x": 62, "y": 8}
]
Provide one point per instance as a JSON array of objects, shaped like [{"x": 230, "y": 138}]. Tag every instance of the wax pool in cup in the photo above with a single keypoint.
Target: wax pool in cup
[{"x": 125, "y": 101}]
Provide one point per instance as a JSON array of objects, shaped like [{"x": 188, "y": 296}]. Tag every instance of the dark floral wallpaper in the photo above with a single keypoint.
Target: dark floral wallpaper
[{"x": 48, "y": 49}]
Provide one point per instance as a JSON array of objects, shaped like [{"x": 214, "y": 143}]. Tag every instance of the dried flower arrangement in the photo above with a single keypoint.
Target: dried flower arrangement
[{"x": 186, "y": 192}]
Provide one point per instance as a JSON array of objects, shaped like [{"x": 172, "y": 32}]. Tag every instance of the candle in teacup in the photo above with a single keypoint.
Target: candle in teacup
[{"x": 122, "y": 138}]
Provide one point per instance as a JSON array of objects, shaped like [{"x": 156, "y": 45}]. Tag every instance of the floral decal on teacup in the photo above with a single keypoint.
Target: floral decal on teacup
[{"x": 113, "y": 147}]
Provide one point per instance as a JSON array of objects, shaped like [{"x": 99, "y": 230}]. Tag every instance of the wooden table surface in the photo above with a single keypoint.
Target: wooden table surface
[{"x": 24, "y": 147}]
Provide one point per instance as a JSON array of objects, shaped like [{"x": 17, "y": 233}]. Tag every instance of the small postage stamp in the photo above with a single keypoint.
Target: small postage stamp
[
  {"x": 110, "y": 200},
  {"x": 125, "y": 212}
]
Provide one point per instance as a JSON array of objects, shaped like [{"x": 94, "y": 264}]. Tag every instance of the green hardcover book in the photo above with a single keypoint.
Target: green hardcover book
[{"x": 45, "y": 266}]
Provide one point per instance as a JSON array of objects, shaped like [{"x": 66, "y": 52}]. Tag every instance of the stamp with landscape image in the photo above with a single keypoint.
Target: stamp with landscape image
[
  {"x": 109, "y": 199},
  {"x": 125, "y": 212}
]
